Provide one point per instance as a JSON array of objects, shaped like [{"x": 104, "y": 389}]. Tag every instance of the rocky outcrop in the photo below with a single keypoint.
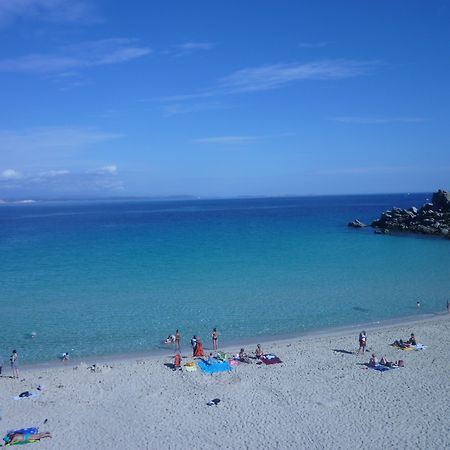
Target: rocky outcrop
[
  {"x": 431, "y": 219},
  {"x": 356, "y": 224}
]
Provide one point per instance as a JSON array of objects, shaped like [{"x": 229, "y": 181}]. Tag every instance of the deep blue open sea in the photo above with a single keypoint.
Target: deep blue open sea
[{"x": 117, "y": 277}]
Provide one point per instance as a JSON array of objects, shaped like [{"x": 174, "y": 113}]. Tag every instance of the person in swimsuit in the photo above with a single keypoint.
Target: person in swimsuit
[
  {"x": 385, "y": 362},
  {"x": 373, "y": 361},
  {"x": 178, "y": 339},
  {"x": 412, "y": 340},
  {"x": 215, "y": 338},
  {"x": 243, "y": 356},
  {"x": 259, "y": 351},
  {"x": 14, "y": 364},
  {"x": 24, "y": 438}
]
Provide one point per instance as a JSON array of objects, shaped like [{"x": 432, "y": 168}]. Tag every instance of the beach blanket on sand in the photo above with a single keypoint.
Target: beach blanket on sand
[
  {"x": 215, "y": 366},
  {"x": 412, "y": 347},
  {"x": 380, "y": 367},
  {"x": 270, "y": 359}
]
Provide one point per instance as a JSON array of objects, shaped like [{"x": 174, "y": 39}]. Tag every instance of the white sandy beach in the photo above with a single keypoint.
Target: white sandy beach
[{"x": 317, "y": 399}]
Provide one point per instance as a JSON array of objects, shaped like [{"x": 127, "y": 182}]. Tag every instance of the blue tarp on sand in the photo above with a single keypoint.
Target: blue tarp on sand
[{"x": 215, "y": 366}]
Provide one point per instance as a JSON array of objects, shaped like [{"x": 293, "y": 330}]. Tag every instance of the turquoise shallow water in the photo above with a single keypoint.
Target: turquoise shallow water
[{"x": 117, "y": 277}]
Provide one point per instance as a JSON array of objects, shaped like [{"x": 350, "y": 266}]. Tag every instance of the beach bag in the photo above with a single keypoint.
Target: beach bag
[{"x": 401, "y": 363}]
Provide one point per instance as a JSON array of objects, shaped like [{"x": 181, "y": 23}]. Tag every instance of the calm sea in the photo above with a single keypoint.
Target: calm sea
[{"x": 118, "y": 277}]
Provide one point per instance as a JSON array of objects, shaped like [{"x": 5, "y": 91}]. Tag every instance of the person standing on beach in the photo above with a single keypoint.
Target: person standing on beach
[
  {"x": 362, "y": 342},
  {"x": 215, "y": 338},
  {"x": 14, "y": 364},
  {"x": 1, "y": 364},
  {"x": 448, "y": 306},
  {"x": 178, "y": 340}
]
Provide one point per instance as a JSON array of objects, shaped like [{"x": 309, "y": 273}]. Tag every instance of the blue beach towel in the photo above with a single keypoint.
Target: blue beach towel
[
  {"x": 381, "y": 368},
  {"x": 215, "y": 366}
]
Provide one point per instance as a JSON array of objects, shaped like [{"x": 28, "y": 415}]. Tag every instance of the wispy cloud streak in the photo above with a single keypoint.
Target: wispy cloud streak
[
  {"x": 87, "y": 54},
  {"x": 378, "y": 120},
  {"x": 238, "y": 139},
  {"x": 278, "y": 75},
  {"x": 61, "y": 11},
  {"x": 189, "y": 46},
  {"x": 45, "y": 138},
  {"x": 314, "y": 44}
]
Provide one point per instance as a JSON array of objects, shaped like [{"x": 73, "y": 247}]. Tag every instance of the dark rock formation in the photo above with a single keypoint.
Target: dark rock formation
[
  {"x": 432, "y": 219},
  {"x": 356, "y": 224}
]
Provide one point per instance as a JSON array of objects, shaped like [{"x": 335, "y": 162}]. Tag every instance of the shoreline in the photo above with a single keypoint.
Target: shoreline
[
  {"x": 320, "y": 396},
  {"x": 232, "y": 344}
]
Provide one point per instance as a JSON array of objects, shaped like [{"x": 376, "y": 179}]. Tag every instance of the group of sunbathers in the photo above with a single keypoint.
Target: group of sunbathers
[{"x": 405, "y": 344}]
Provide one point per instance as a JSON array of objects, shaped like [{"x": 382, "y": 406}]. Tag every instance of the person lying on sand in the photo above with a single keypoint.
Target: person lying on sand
[
  {"x": 243, "y": 357},
  {"x": 24, "y": 438},
  {"x": 385, "y": 362},
  {"x": 401, "y": 344}
]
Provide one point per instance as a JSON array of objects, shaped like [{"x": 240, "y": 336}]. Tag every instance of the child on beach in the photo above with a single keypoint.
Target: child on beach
[{"x": 177, "y": 362}]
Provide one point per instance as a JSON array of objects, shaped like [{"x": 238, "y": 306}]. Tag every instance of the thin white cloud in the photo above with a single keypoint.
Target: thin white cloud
[
  {"x": 313, "y": 44},
  {"x": 42, "y": 138},
  {"x": 63, "y": 182},
  {"x": 365, "y": 170},
  {"x": 60, "y": 11},
  {"x": 10, "y": 174},
  {"x": 227, "y": 140},
  {"x": 378, "y": 120},
  {"x": 111, "y": 170},
  {"x": 183, "y": 108},
  {"x": 196, "y": 46},
  {"x": 84, "y": 55},
  {"x": 54, "y": 173},
  {"x": 238, "y": 139},
  {"x": 278, "y": 75}
]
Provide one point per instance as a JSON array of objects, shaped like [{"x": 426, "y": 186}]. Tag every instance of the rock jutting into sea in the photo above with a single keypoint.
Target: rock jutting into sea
[{"x": 431, "y": 219}]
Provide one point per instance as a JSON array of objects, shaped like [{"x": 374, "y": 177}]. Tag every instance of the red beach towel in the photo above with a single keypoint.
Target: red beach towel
[{"x": 270, "y": 359}]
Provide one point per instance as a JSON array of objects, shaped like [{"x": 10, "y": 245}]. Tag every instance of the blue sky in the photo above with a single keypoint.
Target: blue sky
[{"x": 224, "y": 98}]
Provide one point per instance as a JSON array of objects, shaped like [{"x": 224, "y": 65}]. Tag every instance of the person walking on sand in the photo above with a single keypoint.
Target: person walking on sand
[
  {"x": 14, "y": 364},
  {"x": 178, "y": 340},
  {"x": 362, "y": 342},
  {"x": 215, "y": 338}
]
